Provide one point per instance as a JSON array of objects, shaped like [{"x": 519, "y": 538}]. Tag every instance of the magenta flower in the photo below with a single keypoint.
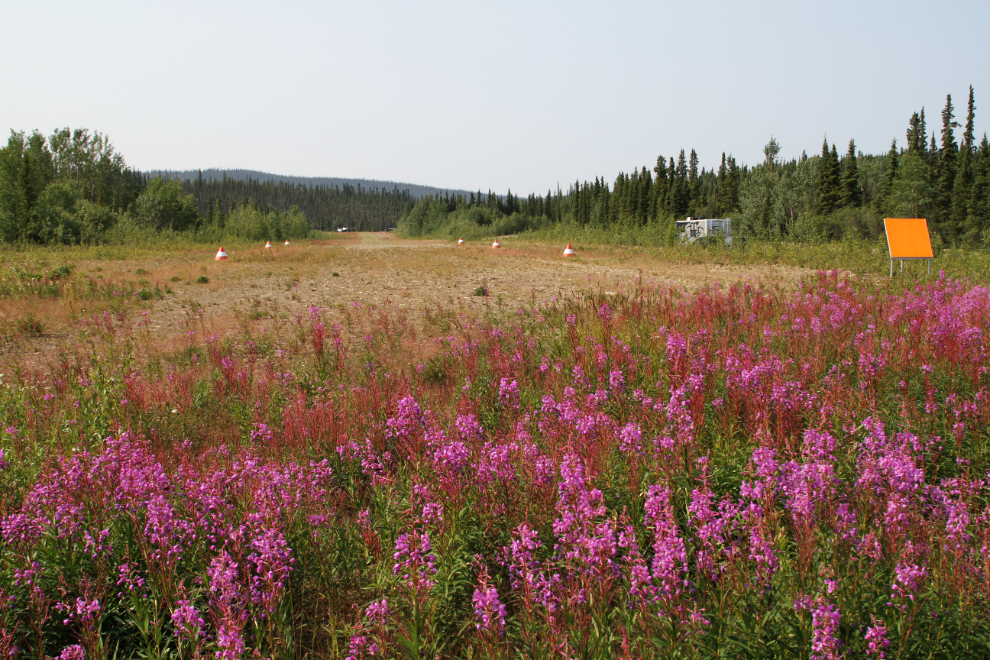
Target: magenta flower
[{"x": 489, "y": 612}]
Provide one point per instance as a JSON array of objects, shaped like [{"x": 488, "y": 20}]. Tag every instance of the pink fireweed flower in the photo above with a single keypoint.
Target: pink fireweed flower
[
  {"x": 262, "y": 433},
  {"x": 804, "y": 485},
  {"x": 74, "y": 652},
  {"x": 230, "y": 641},
  {"x": 469, "y": 428},
  {"x": 414, "y": 560},
  {"x": 496, "y": 465},
  {"x": 956, "y": 524},
  {"x": 617, "y": 381},
  {"x": 129, "y": 578},
  {"x": 271, "y": 562},
  {"x": 641, "y": 587},
  {"x": 676, "y": 347},
  {"x": 631, "y": 439},
  {"x": 876, "y": 640},
  {"x": 226, "y": 591},
  {"x": 408, "y": 421},
  {"x": 83, "y": 611},
  {"x": 578, "y": 378},
  {"x": 670, "y": 554},
  {"x": 825, "y": 619},
  {"x": 908, "y": 580},
  {"x": 508, "y": 392},
  {"x": 583, "y": 535},
  {"x": 489, "y": 612},
  {"x": 449, "y": 456},
  {"x": 360, "y": 646},
  {"x": 378, "y": 612},
  {"x": 188, "y": 622},
  {"x": 520, "y": 554}
]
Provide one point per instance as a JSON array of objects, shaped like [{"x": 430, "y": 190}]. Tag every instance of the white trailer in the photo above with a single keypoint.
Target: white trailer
[{"x": 694, "y": 229}]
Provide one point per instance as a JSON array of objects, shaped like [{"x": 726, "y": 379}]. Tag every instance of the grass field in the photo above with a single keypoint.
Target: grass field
[{"x": 364, "y": 446}]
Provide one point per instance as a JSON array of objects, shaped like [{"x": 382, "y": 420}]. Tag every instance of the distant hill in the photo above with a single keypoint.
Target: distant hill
[{"x": 372, "y": 185}]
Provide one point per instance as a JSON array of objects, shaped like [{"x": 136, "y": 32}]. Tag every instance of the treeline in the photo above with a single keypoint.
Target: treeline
[
  {"x": 822, "y": 197},
  {"x": 72, "y": 187},
  {"x": 326, "y": 207}
]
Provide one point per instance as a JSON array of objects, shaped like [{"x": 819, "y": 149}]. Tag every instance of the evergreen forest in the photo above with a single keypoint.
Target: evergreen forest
[
  {"x": 73, "y": 187},
  {"x": 830, "y": 195},
  {"x": 326, "y": 206}
]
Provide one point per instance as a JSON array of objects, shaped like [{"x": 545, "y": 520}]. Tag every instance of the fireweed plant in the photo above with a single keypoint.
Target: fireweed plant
[{"x": 732, "y": 472}]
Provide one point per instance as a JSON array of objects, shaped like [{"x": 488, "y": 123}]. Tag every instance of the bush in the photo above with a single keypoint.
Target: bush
[{"x": 162, "y": 206}]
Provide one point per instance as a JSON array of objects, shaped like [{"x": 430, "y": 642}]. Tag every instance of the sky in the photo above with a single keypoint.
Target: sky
[{"x": 496, "y": 95}]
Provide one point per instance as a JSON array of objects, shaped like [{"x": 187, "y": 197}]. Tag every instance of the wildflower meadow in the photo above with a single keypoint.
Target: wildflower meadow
[{"x": 738, "y": 471}]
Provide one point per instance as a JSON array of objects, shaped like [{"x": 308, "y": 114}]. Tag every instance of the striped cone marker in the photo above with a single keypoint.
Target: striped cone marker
[
  {"x": 568, "y": 251},
  {"x": 286, "y": 242},
  {"x": 495, "y": 244},
  {"x": 460, "y": 241},
  {"x": 221, "y": 255},
  {"x": 268, "y": 245}
]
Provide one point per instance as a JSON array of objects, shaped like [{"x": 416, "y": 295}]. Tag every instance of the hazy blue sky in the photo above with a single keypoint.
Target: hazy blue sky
[{"x": 477, "y": 95}]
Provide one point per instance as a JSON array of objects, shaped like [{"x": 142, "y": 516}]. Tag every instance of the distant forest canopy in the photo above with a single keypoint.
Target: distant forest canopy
[
  {"x": 73, "y": 187},
  {"x": 372, "y": 185},
  {"x": 326, "y": 206},
  {"x": 822, "y": 197}
]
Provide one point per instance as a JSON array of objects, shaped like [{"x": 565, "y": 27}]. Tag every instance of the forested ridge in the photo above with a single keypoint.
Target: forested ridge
[
  {"x": 826, "y": 196},
  {"x": 326, "y": 207},
  {"x": 214, "y": 173}
]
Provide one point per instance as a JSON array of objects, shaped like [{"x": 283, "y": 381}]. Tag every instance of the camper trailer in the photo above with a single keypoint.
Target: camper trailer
[{"x": 705, "y": 229}]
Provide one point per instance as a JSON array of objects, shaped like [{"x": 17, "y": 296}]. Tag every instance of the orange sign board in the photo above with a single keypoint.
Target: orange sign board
[{"x": 907, "y": 238}]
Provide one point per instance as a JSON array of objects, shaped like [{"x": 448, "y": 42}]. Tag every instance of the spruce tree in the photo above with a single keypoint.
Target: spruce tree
[
  {"x": 978, "y": 208},
  {"x": 828, "y": 179},
  {"x": 945, "y": 177},
  {"x": 915, "y": 135},
  {"x": 852, "y": 193},
  {"x": 964, "y": 177},
  {"x": 660, "y": 188},
  {"x": 645, "y": 202},
  {"x": 720, "y": 190},
  {"x": 732, "y": 181},
  {"x": 887, "y": 182},
  {"x": 681, "y": 199},
  {"x": 694, "y": 183}
]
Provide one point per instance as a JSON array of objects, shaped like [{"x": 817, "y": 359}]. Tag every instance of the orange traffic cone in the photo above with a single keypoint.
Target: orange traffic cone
[
  {"x": 568, "y": 252},
  {"x": 220, "y": 255},
  {"x": 495, "y": 244},
  {"x": 268, "y": 245},
  {"x": 286, "y": 242},
  {"x": 460, "y": 241}
]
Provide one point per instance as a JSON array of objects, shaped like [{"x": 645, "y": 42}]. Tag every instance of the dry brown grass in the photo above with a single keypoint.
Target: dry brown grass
[{"x": 258, "y": 288}]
